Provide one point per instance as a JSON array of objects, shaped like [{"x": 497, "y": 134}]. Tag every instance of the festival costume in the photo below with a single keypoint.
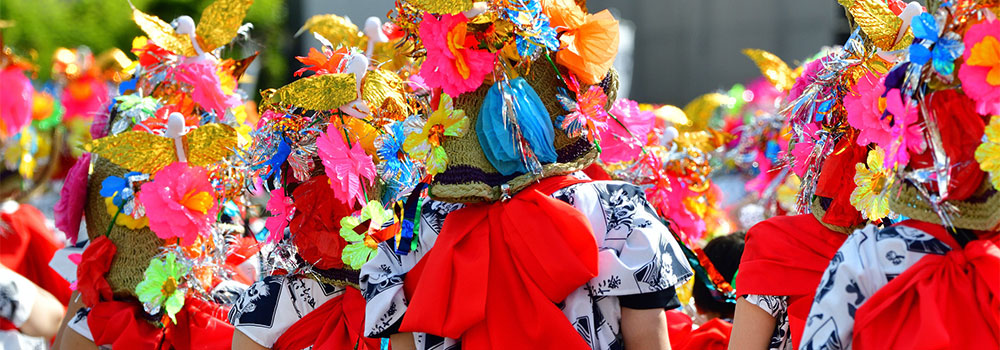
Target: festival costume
[
  {"x": 160, "y": 191},
  {"x": 928, "y": 282},
  {"x": 313, "y": 150}
]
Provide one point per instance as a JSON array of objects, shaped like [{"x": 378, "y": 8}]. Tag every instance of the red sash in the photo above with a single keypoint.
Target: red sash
[
  {"x": 497, "y": 271},
  {"x": 713, "y": 335},
  {"x": 122, "y": 324},
  {"x": 942, "y": 302},
  {"x": 337, "y": 324},
  {"x": 787, "y": 256}
]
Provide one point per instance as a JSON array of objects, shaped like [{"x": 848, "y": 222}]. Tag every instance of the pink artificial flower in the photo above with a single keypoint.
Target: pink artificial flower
[
  {"x": 626, "y": 133},
  {"x": 865, "y": 109},
  {"x": 808, "y": 77},
  {"x": 72, "y": 198},
  {"x": 85, "y": 98},
  {"x": 346, "y": 166},
  {"x": 759, "y": 183},
  {"x": 206, "y": 87},
  {"x": 907, "y": 134},
  {"x": 281, "y": 208},
  {"x": 15, "y": 100},
  {"x": 980, "y": 75},
  {"x": 452, "y": 63},
  {"x": 179, "y": 202},
  {"x": 803, "y": 148}
]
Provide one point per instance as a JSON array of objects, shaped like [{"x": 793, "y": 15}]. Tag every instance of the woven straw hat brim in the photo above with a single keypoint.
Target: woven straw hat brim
[
  {"x": 471, "y": 178},
  {"x": 981, "y": 212}
]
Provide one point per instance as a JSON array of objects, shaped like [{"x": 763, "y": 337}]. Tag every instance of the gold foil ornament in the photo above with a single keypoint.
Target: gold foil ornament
[
  {"x": 162, "y": 33},
  {"x": 318, "y": 93},
  {"x": 148, "y": 153},
  {"x": 441, "y": 6},
  {"x": 773, "y": 68},
  {"x": 336, "y": 29},
  {"x": 383, "y": 90},
  {"x": 701, "y": 109},
  {"x": 878, "y": 23},
  {"x": 220, "y": 22}
]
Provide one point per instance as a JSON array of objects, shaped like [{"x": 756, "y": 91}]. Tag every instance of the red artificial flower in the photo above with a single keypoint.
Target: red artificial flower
[
  {"x": 150, "y": 54},
  {"x": 94, "y": 264},
  {"x": 961, "y": 132},
  {"x": 316, "y": 226},
  {"x": 836, "y": 181}
]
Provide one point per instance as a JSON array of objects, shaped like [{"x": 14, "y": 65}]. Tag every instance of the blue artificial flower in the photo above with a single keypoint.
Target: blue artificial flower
[
  {"x": 397, "y": 168},
  {"x": 536, "y": 32},
  {"x": 279, "y": 157},
  {"x": 122, "y": 190},
  {"x": 929, "y": 45}
]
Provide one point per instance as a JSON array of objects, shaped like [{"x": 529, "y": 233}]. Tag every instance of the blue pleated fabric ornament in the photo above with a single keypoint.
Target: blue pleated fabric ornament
[{"x": 499, "y": 141}]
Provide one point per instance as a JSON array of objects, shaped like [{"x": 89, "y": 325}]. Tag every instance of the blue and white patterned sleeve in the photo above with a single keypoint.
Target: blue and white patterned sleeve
[
  {"x": 844, "y": 288},
  {"x": 382, "y": 278}
]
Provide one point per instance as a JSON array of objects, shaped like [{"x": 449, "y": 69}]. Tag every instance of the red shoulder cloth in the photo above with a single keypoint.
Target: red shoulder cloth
[
  {"x": 787, "y": 256},
  {"x": 337, "y": 324},
  {"x": 497, "y": 270},
  {"x": 123, "y": 325},
  {"x": 946, "y": 301}
]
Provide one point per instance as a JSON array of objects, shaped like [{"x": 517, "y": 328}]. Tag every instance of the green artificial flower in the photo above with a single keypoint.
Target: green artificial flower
[
  {"x": 160, "y": 287},
  {"x": 362, "y": 245}
]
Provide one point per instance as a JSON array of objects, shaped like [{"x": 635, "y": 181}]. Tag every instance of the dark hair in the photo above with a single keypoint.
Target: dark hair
[{"x": 724, "y": 252}]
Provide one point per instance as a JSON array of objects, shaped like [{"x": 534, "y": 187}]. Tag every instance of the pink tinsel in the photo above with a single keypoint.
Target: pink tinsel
[
  {"x": 72, "y": 198},
  {"x": 206, "y": 88},
  {"x": 15, "y": 100},
  {"x": 620, "y": 143}
]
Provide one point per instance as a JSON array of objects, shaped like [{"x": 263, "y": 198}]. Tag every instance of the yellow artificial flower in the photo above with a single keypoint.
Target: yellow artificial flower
[
  {"x": 124, "y": 219},
  {"x": 871, "y": 197},
  {"x": 988, "y": 153},
  {"x": 788, "y": 192},
  {"x": 425, "y": 144}
]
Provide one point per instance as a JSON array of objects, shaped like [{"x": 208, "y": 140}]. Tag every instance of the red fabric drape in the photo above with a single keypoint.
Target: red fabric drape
[
  {"x": 787, "y": 256},
  {"x": 337, "y": 324},
  {"x": 497, "y": 270},
  {"x": 942, "y": 302},
  {"x": 713, "y": 335},
  {"x": 122, "y": 324},
  {"x": 27, "y": 246}
]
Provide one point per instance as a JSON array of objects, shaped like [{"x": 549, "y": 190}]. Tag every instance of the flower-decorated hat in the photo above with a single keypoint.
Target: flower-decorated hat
[
  {"x": 533, "y": 80},
  {"x": 160, "y": 186}
]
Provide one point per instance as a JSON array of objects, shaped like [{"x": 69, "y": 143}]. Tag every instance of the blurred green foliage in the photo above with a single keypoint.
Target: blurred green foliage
[{"x": 42, "y": 26}]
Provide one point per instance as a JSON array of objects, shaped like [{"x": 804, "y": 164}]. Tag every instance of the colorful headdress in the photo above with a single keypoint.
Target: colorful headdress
[{"x": 162, "y": 199}]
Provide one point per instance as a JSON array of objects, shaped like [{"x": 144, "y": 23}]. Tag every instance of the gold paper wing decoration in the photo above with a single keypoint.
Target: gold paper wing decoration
[
  {"x": 317, "y": 93},
  {"x": 671, "y": 114},
  {"x": 441, "y": 6},
  {"x": 773, "y": 68},
  {"x": 878, "y": 23},
  {"x": 148, "y": 153},
  {"x": 209, "y": 143},
  {"x": 135, "y": 150},
  {"x": 336, "y": 29},
  {"x": 220, "y": 22},
  {"x": 162, "y": 33},
  {"x": 383, "y": 90},
  {"x": 700, "y": 110}
]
